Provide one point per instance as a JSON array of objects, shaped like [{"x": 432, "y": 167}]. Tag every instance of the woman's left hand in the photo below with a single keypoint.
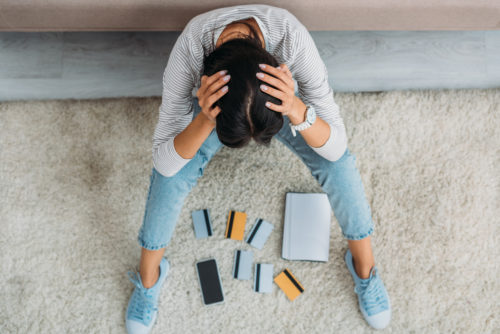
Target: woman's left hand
[{"x": 291, "y": 105}]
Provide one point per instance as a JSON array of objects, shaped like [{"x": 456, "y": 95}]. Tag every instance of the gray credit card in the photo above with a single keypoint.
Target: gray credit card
[
  {"x": 242, "y": 268},
  {"x": 259, "y": 233},
  {"x": 202, "y": 223},
  {"x": 263, "y": 278}
]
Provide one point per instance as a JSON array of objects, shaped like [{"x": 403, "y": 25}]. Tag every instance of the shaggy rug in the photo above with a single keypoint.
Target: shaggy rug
[{"x": 74, "y": 176}]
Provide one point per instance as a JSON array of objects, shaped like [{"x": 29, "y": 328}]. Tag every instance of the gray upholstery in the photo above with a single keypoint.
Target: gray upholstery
[{"x": 164, "y": 15}]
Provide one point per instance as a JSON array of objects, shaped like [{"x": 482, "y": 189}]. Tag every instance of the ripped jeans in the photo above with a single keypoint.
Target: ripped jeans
[{"x": 339, "y": 179}]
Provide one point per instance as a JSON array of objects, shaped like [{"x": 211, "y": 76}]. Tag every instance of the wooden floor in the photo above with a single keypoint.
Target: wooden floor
[{"x": 60, "y": 65}]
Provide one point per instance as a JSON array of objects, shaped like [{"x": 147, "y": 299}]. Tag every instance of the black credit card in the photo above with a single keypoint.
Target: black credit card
[{"x": 210, "y": 284}]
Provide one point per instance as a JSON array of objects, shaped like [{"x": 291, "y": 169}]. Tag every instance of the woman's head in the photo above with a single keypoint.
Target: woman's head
[{"x": 243, "y": 113}]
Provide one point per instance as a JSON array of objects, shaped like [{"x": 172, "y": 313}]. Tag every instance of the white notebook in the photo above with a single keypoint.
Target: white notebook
[{"x": 306, "y": 231}]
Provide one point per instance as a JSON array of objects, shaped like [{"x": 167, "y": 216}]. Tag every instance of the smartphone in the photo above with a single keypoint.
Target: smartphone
[{"x": 210, "y": 284}]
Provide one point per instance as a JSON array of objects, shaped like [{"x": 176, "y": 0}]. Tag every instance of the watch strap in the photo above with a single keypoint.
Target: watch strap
[{"x": 302, "y": 126}]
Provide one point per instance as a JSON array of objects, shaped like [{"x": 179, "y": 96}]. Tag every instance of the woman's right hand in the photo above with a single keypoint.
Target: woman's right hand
[{"x": 211, "y": 89}]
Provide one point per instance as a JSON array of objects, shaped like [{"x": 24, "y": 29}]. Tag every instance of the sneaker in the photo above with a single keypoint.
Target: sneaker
[
  {"x": 373, "y": 298},
  {"x": 142, "y": 306}
]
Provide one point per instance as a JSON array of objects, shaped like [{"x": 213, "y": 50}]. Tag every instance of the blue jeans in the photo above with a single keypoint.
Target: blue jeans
[{"x": 339, "y": 179}]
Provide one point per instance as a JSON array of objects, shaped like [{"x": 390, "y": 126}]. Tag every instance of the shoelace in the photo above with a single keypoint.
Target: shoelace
[
  {"x": 145, "y": 302},
  {"x": 372, "y": 294}
]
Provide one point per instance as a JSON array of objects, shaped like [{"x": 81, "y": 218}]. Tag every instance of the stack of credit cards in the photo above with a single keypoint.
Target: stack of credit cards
[{"x": 243, "y": 259}]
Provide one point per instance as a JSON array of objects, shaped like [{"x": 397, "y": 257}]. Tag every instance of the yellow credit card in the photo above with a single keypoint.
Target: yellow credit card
[
  {"x": 289, "y": 284},
  {"x": 236, "y": 225}
]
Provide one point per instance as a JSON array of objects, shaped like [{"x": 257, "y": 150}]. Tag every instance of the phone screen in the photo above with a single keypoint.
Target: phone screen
[{"x": 211, "y": 287}]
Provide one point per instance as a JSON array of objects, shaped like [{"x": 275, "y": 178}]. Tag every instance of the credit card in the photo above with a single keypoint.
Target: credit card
[
  {"x": 263, "y": 278},
  {"x": 289, "y": 284},
  {"x": 236, "y": 225},
  {"x": 259, "y": 233},
  {"x": 242, "y": 268},
  {"x": 202, "y": 224}
]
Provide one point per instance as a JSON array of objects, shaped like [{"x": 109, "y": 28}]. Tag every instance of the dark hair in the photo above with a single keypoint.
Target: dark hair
[{"x": 243, "y": 113}]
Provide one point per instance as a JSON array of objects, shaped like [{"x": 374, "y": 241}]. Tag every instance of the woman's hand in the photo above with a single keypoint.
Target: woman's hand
[
  {"x": 209, "y": 92},
  {"x": 281, "y": 78}
]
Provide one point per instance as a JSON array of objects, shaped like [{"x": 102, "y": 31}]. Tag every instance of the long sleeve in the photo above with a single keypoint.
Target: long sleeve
[
  {"x": 176, "y": 110},
  {"x": 311, "y": 75},
  {"x": 336, "y": 144}
]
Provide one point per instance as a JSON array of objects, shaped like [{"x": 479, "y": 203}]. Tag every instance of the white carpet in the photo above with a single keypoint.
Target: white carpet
[{"x": 74, "y": 177}]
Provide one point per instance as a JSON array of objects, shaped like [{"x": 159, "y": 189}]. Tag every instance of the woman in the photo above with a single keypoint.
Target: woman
[{"x": 236, "y": 101}]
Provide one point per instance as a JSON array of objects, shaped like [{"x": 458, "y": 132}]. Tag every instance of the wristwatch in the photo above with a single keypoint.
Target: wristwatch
[{"x": 310, "y": 118}]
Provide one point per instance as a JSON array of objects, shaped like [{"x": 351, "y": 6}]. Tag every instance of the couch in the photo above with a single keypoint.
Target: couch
[{"x": 165, "y": 15}]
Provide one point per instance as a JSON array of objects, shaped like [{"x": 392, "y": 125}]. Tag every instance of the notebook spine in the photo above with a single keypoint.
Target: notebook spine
[{"x": 287, "y": 227}]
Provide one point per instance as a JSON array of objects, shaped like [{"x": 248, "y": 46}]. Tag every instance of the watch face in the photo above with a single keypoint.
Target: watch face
[{"x": 311, "y": 115}]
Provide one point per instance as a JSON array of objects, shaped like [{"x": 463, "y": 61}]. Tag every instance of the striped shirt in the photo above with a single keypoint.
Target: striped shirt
[{"x": 285, "y": 38}]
